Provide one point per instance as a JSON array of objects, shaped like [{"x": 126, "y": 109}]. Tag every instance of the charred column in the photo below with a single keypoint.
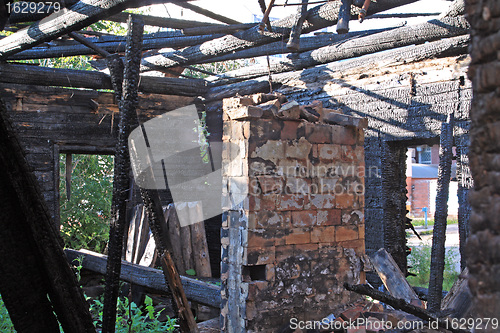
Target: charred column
[{"x": 121, "y": 181}]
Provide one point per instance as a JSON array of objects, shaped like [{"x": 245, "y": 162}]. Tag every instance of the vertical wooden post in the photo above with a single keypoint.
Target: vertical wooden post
[
  {"x": 344, "y": 17},
  {"x": 121, "y": 181},
  {"x": 294, "y": 40},
  {"x": 441, "y": 216}
]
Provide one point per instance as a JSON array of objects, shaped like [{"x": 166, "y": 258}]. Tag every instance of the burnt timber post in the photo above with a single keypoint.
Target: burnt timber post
[
  {"x": 441, "y": 216},
  {"x": 127, "y": 105}
]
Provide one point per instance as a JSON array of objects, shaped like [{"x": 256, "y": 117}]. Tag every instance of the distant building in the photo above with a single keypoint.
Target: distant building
[{"x": 421, "y": 182}]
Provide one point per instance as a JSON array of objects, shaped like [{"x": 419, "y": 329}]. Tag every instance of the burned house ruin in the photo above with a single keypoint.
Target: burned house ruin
[{"x": 337, "y": 113}]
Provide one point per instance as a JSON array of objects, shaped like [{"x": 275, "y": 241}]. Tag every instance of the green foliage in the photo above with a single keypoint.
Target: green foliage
[
  {"x": 84, "y": 218},
  {"x": 421, "y": 222},
  {"x": 191, "y": 272},
  {"x": 420, "y": 262},
  {"x": 6, "y": 325},
  {"x": 141, "y": 320},
  {"x": 218, "y": 67}
]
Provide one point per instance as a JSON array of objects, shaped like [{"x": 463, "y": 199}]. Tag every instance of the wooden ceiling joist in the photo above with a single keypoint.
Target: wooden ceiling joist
[{"x": 57, "y": 77}]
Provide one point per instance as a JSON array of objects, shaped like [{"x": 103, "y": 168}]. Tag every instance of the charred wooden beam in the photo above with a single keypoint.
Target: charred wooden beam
[
  {"x": 121, "y": 180},
  {"x": 36, "y": 283},
  {"x": 409, "y": 54},
  {"x": 401, "y": 304},
  {"x": 318, "y": 17},
  {"x": 265, "y": 19},
  {"x": 78, "y": 16},
  {"x": 441, "y": 216},
  {"x": 219, "y": 29},
  {"x": 100, "y": 51},
  {"x": 44, "y": 76},
  {"x": 294, "y": 40},
  {"x": 207, "y": 13},
  {"x": 153, "y": 41},
  {"x": 408, "y": 35},
  {"x": 164, "y": 22},
  {"x": 344, "y": 17},
  {"x": 196, "y": 290},
  {"x": 306, "y": 44}
]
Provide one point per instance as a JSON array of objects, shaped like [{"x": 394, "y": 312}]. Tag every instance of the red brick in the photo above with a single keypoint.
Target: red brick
[
  {"x": 344, "y": 200},
  {"x": 323, "y": 234},
  {"x": 297, "y": 185},
  {"x": 328, "y": 217},
  {"x": 358, "y": 245},
  {"x": 318, "y": 133},
  {"x": 329, "y": 152},
  {"x": 361, "y": 231},
  {"x": 289, "y": 131},
  {"x": 260, "y": 238},
  {"x": 304, "y": 248},
  {"x": 303, "y": 218},
  {"x": 258, "y": 256},
  {"x": 272, "y": 184},
  {"x": 284, "y": 252},
  {"x": 290, "y": 202},
  {"x": 320, "y": 201},
  {"x": 346, "y": 233},
  {"x": 298, "y": 236},
  {"x": 352, "y": 313},
  {"x": 344, "y": 135},
  {"x": 268, "y": 219}
]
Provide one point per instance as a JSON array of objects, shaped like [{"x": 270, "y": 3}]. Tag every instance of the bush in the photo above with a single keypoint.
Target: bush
[
  {"x": 85, "y": 217},
  {"x": 420, "y": 262}
]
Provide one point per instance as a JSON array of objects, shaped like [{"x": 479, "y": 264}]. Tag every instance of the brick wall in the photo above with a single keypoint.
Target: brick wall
[
  {"x": 483, "y": 245},
  {"x": 298, "y": 233}
]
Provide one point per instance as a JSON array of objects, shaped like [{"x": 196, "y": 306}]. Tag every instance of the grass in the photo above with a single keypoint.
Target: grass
[
  {"x": 430, "y": 222},
  {"x": 420, "y": 262}
]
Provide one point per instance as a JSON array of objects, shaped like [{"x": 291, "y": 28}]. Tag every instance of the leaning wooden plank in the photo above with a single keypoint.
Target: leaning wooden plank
[
  {"x": 392, "y": 277},
  {"x": 401, "y": 304},
  {"x": 199, "y": 241},
  {"x": 196, "y": 290},
  {"x": 403, "y": 36},
  {"x": 44, "y": 76},
  {"x": 458, "y": 301},
  {"x": 122, "y": 170},
  {"x": 36, "y": 282},
  {"x": 317, "y": 18},
  {"x": 408, "y": 54},
  {"x": 78, "y": 16}
]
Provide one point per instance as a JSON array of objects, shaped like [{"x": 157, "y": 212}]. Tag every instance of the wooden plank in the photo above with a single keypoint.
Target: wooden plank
[
  {"x": 45, "y": 76},
  {"x": 199, "y": 241},
  {"x": 458, "y": 301},
  {"x": 174, "y": 230},
  {"x": 187, "y": 249},
  {"x": 196, "y": 290},
  {"x": 392, "y": 277}
]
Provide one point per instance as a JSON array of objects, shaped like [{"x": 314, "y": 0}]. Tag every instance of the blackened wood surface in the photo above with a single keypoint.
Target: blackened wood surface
[
  {"x": 78, "y": 16},
  {"x": 35, "y": 280},
  {"x": 403, "y": 36},
  {"x": 196, "y": 290},
  {"x": 318, "y": 17},
  {"x": 394, "y": 202},
  {"x": 45, "y": 76},
  {"x": 440, "y": 217},
  {"x": 121, "y": 179}
]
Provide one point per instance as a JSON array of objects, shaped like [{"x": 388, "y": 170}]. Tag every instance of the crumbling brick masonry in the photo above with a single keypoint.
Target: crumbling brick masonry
[{"x": 295, "y": 231}]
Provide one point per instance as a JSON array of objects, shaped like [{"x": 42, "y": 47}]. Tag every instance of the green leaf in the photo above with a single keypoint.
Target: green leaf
[{"x": 191, "y": 272}]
